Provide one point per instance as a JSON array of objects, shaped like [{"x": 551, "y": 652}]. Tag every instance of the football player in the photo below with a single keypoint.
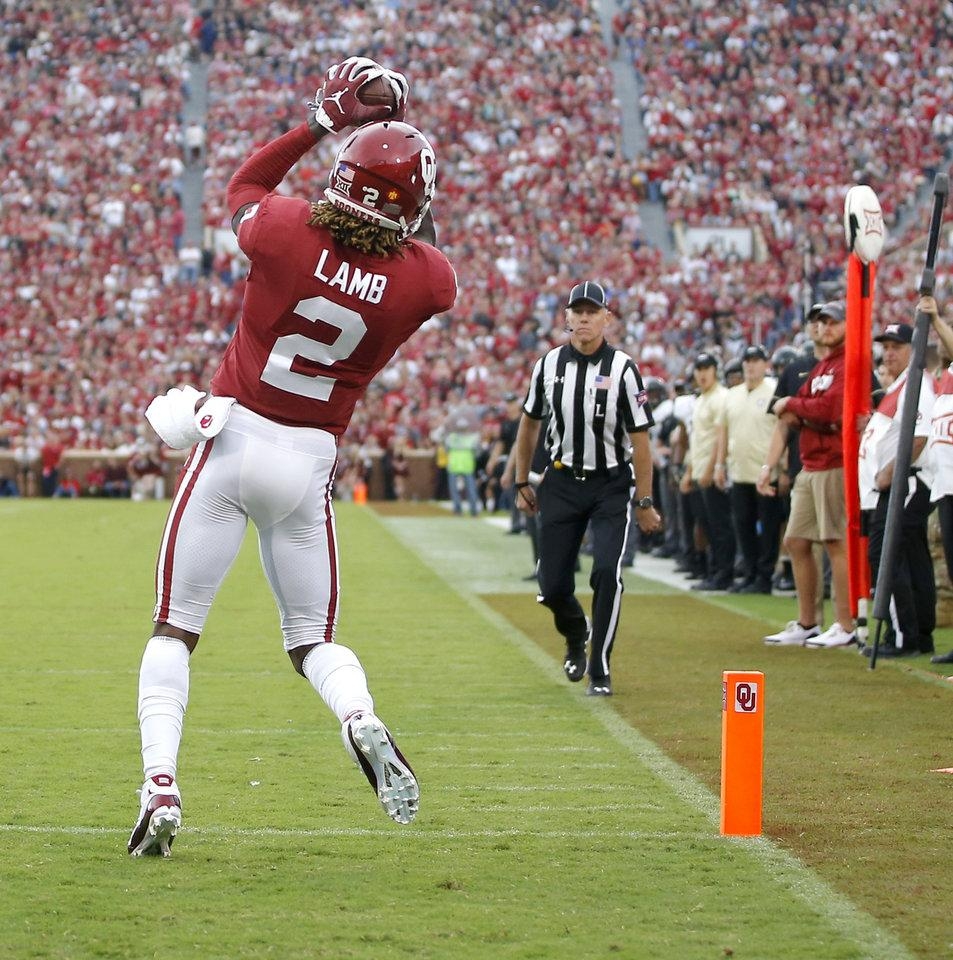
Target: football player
[{"x": 335, "y": 286}]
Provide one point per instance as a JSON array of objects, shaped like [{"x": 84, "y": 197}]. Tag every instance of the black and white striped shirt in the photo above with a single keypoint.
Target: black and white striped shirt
[{"x": 596, "y": 402}]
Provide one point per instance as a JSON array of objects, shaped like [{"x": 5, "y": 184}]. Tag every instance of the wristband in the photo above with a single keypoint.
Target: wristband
[{"x": 519, "y": 486}]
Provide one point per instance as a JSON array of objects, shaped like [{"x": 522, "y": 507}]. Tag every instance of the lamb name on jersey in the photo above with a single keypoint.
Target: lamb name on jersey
[{"x": 351, "y": 280}]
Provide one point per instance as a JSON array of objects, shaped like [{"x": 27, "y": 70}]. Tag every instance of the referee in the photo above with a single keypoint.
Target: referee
[{"x": 597, "y": 430}]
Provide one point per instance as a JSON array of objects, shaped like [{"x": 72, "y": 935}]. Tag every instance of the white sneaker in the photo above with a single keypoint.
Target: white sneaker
[
  {"x": 160, "y": 816},
  {"x": 793, "y": 635},
  {"x": 834, "y": 636},
  {"x": 370, "y": 745}
]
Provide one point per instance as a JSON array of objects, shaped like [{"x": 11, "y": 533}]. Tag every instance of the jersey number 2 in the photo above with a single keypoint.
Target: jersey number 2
[{"x": 278, "y": 372}]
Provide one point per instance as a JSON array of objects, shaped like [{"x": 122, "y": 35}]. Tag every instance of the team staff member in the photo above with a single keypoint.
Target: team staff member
[
  {"x": 710, "y": 503},
  {"x": 913, "y": 587},
  {"x": 744, "y": 437},
  {"x": 597, "y": 430},
  {"x": 362, "y": 261}
]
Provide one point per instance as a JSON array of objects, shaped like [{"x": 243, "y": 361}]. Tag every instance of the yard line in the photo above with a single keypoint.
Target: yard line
[
  {"x": 534, "y": 788},
  {"x": 463, "y": 567},
  {"x": 409, "y": 833}
]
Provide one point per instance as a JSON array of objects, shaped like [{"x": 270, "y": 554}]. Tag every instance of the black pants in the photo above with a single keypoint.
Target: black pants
[
  {"x": 914, "y": 587},
  {"x": 757, "y": 524},
  {"x": 944, "y": 509},
  {"x": 566, "y": 507},
  {"x": 713, "y": 511}
]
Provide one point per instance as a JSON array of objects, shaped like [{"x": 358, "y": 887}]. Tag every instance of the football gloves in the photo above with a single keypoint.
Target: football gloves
[
  {"x": 173, "y": 416},
  {"x": 336, "y": 106}
]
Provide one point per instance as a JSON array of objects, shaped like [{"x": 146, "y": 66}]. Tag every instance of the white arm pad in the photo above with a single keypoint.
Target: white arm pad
[{"x": 174, "y": 418}]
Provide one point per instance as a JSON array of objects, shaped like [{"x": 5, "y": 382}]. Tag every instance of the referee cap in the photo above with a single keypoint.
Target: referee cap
[{"x": 587, "y": 292}]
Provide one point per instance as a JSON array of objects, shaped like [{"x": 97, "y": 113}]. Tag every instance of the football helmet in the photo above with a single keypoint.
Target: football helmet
[
  {"x": 385, "y": 173},
  {"x": 782, "y": 357}
]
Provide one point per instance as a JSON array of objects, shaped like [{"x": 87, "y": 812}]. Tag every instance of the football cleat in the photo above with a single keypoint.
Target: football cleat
[
  {"x": 599, "y": 688},
  {"x": 574, "y": 665},
  {"x": 370, "y": 745},
  {"x": 160, "y": 817}
]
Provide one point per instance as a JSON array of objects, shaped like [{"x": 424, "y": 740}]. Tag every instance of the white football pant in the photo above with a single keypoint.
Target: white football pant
[{"x": 279, "y": 477}]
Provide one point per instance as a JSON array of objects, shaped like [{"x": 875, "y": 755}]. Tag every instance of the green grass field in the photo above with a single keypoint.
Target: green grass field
[{"x": 551, "y": 825}]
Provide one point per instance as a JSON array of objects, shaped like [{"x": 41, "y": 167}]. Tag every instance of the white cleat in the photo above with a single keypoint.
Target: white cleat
[
  {"x": 793, "y": 635},
  {"x": 370, "y": 745},
  {"x": 834, "y": 636},
  {"x": 160, "y": 816}
]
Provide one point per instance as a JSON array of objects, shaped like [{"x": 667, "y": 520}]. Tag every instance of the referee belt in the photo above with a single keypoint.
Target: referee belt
[{"x": 577, "y": 474}]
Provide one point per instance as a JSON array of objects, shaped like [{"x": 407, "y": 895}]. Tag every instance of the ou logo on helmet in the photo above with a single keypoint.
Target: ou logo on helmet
[{"x": 428, "y": 169}]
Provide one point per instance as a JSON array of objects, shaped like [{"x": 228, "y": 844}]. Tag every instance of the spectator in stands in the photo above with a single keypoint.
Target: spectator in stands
[
  {"x": 95, "y": 483},
  {"x": 194, "y": 143},
  {"x": 67, "y": 485},
  {"x": 146, "y": 473},
  {"x": 116, "y": 481},
  {"x": 51, "y": 456}
]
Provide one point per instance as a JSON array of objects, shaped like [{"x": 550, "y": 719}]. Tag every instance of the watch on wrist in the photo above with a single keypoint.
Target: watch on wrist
[{"x": 645, "y": 503}]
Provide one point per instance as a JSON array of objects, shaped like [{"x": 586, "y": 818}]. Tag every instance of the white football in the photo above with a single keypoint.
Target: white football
[{"x": 864, "y": 228}]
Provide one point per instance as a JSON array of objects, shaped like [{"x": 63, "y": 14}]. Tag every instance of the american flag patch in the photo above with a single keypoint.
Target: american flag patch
[
  {"x": 601, "y": 383},
  {"x": 641, "y": 398}
]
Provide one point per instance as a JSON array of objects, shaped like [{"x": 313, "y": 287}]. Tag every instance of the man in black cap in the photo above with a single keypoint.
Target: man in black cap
[
  {"x": 913, "y": 587},
  {"x": 744, "y": 438},
  {"x": 600, "y": 458},
  {"x": 710, "y": 503}
]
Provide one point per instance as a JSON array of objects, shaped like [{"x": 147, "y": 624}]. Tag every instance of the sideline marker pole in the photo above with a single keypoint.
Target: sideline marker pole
[{"x": 742, "y": 752}]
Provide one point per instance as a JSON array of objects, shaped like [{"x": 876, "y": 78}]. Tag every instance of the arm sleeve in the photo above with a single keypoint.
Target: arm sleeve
[
  {"x": 535, "y": 404},
  {"x": 825, "y": 408},
  {"x": 266, "y": 168}
]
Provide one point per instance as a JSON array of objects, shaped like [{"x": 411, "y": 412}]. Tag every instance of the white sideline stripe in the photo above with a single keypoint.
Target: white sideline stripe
[
  {"x": 785, "y": 869},
  {"x": 205, "y": 732},
  {"x": 26, "y": 672},
  {"x": 407, "y": 832}
]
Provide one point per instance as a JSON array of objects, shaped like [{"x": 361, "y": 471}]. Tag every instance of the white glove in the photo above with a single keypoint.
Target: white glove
[
  {"x": 213, "y": 415},
  {"x": 174, "y": 418}
]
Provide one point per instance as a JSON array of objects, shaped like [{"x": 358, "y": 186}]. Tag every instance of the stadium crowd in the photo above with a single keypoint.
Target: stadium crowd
[{"x": 756, "y": 115}]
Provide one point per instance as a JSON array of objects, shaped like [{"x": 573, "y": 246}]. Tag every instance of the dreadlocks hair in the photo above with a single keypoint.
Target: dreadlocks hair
[{"x": 370, "y": 238}]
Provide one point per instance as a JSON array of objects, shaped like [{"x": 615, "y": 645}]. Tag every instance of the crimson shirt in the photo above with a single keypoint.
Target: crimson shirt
[
  {"x": 820, "y": 405},
  {"x": 319, "y": 319}
]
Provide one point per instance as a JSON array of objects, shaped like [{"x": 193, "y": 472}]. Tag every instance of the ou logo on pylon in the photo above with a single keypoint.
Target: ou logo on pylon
[{"x": 746, "y": 697}]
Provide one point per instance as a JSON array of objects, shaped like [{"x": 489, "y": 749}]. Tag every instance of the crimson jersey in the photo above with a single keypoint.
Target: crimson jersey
[{"x": 320, "y": 319}]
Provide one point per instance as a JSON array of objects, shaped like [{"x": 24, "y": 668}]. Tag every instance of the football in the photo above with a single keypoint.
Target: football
[{"x": 377, "y": 93}]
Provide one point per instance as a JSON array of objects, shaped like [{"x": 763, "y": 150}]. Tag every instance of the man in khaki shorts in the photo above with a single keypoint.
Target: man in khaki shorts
[{"x": 817, "y": 498}]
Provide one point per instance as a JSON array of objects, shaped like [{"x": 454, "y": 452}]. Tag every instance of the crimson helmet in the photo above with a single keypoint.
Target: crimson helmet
[{"x": 385, "y": 173}]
